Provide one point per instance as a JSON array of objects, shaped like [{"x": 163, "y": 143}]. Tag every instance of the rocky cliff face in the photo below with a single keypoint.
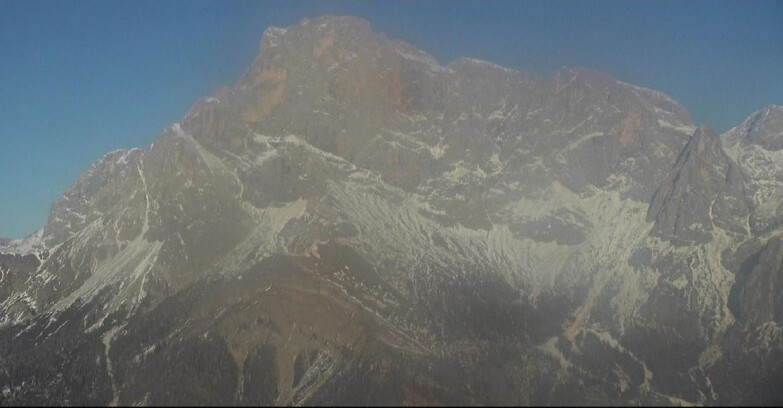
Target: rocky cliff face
[
  {"x": 702, "y": 178},
  {"x": 353, "y": 223}
]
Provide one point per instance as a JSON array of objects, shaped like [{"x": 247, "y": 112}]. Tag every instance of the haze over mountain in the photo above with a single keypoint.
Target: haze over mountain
[{"x": 353, "y": 223}]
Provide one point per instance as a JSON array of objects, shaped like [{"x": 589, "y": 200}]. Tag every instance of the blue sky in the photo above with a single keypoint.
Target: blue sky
[{"x": 81, "y": 78}]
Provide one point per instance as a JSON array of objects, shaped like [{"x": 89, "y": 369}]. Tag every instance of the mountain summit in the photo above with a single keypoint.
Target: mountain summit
[{"x": 354, "y": 223}]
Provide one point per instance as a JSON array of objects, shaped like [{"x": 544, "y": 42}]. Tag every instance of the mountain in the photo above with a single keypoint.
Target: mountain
[
  {"x": 757, "y": 146},
  {"x": 354, "y": 223}
]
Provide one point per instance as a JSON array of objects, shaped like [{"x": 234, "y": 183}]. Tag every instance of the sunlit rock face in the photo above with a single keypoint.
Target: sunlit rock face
[{"x": 354, "y": 223}]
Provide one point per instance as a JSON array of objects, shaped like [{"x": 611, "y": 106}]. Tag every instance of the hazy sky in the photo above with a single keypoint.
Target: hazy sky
[{"x": 78, "y": 79}]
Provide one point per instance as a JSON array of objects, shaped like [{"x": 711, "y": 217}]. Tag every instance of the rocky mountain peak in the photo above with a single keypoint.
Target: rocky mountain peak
[
  {"x": 704, "y": 190},
  {"x": 757, "y": 146},
  {"x": 354, "y": 223},
  {"x": 763, "y": 128},
  {"x": 324, "y": 28}
]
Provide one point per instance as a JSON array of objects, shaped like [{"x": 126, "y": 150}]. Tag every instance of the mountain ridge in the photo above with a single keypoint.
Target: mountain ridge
[{"x": 352, "y": 216}]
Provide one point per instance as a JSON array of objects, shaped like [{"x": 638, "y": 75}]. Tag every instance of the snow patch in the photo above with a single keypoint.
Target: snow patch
[
  {"x": 420, "y": 57},
  {"x": 25, "y": 246},
  {"x": 487, "y": 64},
  {"x": 684, "y": 129}
]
